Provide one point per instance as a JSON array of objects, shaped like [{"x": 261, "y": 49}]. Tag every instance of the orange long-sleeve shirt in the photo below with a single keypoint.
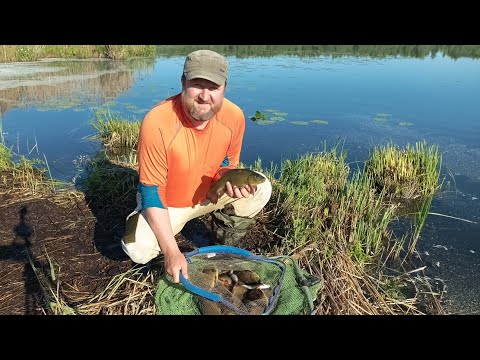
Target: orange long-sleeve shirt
[{"x": 178, "y": 163}]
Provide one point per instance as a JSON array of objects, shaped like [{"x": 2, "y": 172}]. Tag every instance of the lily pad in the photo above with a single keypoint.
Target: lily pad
[
  {"x": 319, "y": 122},
  {"x": 299, "y": 122},
  {"x": 265, "y": 122}
]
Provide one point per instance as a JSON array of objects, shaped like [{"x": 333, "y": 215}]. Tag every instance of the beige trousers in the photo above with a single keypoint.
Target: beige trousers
[{"x": 142, "y": 244}]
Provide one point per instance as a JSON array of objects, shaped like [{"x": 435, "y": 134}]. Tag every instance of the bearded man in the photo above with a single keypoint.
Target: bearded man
[{"x": 186, "y": 143}]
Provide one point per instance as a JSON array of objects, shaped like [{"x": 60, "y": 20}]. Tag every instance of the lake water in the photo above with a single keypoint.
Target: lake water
[{"x": 362, "y": 101}]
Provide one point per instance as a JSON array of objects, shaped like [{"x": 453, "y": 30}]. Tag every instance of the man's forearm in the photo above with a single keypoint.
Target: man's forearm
[{"x": 159, "y": 221}]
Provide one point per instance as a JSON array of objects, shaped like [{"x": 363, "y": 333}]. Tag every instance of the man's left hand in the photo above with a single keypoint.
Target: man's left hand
[{"x": 239, "y": 192}]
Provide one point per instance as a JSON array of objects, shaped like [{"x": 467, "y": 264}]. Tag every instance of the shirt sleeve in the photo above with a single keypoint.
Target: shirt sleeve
[{"x": 152, "y": 163}]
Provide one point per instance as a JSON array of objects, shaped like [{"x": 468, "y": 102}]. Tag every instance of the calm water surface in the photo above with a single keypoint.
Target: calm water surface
[{"x": 361, "y": 101}]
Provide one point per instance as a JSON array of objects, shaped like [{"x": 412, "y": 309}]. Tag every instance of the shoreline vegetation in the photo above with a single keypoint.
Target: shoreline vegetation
[
  {"x": 17, "y": 53},
  {"x": 13, "y": 53},
  {"x": 338, "y": 224}
]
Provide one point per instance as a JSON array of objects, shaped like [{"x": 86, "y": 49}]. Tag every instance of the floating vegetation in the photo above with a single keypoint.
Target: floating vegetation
[
  {"x": 381, "y": 117},
  {"x": 271, "y": 110},
  {"x": 130, "y": 106},
  {"x": 58, "y": 105},
  {"x": 141, "y": 111},
  {"x": 266, "y": 122},
  {"x": 259, "y": 116},
  {"x": 319, "y": 122},
  {"x": 405, "y": 123},
  {"x": 299, "y": 122},
  {"x": 263, "y": 118},
  {"x": 110, "y": 103}
]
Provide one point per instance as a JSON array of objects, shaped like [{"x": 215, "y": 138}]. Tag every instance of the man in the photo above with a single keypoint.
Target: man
[{"x": 187, "y": 142}]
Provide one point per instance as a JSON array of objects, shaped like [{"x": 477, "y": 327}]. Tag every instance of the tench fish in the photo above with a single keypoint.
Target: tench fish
[{"x": 236, "y": 177}]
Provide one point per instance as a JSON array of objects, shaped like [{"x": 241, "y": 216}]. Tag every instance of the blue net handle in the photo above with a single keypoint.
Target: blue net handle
[
  {"x": 220, "y": 249},
  {"x": 199, "y": 291}
]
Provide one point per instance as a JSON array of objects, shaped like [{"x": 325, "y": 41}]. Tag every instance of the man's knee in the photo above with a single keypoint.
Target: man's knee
[
  {"x": 264, "y": 192},
  {"x": 139, "y": 254}
]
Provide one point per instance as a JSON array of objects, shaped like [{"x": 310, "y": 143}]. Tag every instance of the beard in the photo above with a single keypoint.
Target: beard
[{"x": 200, "y": 114}]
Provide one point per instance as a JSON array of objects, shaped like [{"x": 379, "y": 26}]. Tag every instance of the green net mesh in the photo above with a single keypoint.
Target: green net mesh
[{"x": 268, "y": 287}]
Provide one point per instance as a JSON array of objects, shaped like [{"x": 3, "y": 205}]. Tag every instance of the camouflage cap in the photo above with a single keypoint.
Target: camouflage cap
[{"x": 206, "y": 64}]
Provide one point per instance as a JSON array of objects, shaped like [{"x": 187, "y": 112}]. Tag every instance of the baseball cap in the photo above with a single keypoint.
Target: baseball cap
[{"x": 206, "y": 64}]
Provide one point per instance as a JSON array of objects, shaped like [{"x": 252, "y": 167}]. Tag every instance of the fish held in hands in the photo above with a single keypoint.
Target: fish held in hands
[{"x": 236, "y": 177}]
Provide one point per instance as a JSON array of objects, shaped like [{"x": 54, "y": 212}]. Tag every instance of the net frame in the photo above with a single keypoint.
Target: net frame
[{"x": 212, "y": 251}]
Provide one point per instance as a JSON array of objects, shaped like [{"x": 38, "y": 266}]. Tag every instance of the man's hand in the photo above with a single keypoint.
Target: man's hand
[
  {"x": 236, "y": 192},
  {"x": 174, "y": 263}
]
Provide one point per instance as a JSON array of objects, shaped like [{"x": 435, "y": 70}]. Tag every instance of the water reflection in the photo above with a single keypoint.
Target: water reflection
[
  {"x": 335, "y": 51},
  {"x": 59, "y": 85}
]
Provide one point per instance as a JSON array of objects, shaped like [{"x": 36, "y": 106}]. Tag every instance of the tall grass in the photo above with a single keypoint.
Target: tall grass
[
  {"x": 409, "y": 176},
  {"x": 405, "y": 173},
  {"x": 307, "y": 191},
  {"x": 19, "y": 173},
  {"x": 117, "y": 135},
  {"x": 10, "y": 53},
  {"x": 362, "y": 219}
]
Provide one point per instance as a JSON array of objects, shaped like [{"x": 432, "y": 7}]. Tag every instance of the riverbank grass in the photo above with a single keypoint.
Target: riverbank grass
[
  {"x": 21, "y": 175},
  {"x": 12, "y": 53}
]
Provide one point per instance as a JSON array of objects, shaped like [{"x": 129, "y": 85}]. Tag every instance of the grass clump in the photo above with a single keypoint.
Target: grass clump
[
  {"x": 409, "y": 177},
  {"x": 119, "y": 137},
  {"x": 407, "y": 173}
]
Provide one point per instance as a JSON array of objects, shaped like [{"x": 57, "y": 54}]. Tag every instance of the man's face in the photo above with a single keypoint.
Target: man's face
[{"x": 202, "y": 98}]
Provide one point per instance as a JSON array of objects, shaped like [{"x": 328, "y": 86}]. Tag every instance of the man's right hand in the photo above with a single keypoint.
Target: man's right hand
[{"x": 174, "y": 263}]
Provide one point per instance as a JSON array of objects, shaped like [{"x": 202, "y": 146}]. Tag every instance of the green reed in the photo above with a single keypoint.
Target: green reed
[
  {"x": 307, "y": 191},
  {"x": 405, "y": 173},
  {"x": 410, "y": 177},
  {"x": 115, "y": 134},
  {"x": 18, "y": 172},
  {"x": 362, "y": 219},
  {"x": 10, "y": 53}
]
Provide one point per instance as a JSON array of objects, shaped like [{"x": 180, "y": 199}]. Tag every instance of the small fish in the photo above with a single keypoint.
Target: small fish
[
  {"x": 226, "y": 280},
  {"x": 255, "y": 294},
  {"x": 211, "y": 277},
  {"x": 210, "y": 307},
  {"x": 256, "y": 301},
  {"x": 248, "y": 277},
  {"x": 257, "y": 286},
  {"x": 238, "y": 294},
  {"x": 236, "y": 177}
]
